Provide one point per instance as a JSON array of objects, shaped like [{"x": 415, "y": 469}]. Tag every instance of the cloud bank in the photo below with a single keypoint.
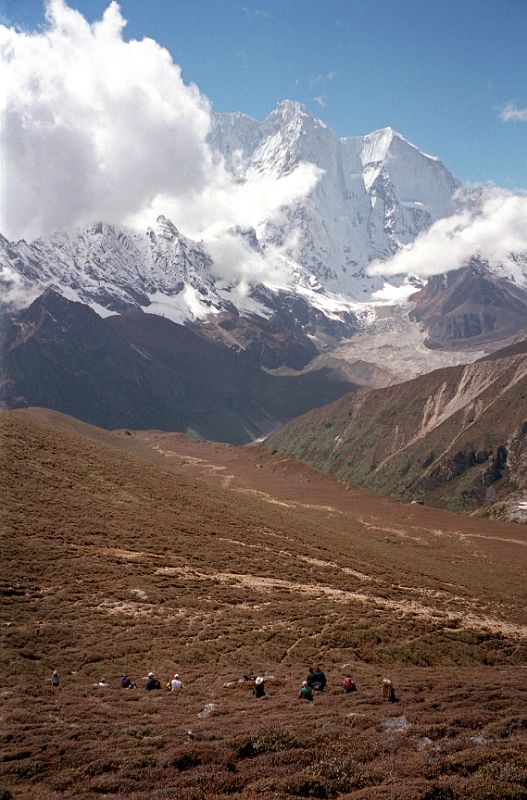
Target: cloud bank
[
  {"x": 493, "y": 231},
  {"x": 99, "y": 128}
]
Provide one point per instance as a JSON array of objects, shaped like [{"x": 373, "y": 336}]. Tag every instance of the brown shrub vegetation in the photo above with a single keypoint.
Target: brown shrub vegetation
[{"x": 114, "y": 562}]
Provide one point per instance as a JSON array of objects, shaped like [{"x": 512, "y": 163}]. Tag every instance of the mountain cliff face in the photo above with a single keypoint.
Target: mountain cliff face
[
  {"x": 375, "y": 194},
  {"x": 115, "y": 269},
  {"x": 142, "y": 371},
  {"x": 456, "y": 437}
]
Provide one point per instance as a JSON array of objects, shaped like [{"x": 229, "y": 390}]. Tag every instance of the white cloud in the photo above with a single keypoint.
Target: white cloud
[
  {"x": 261, "y": 13},
  {"x": 321, "y": 100},
  {"x": 493, "y": 231},
  {"x": 323, "y": 77},
  {"x": 16, "y": 291},
  {"x": 224, "y": 203},
  {"x": 511, "y": 113},
  {"x": 94, "y": 125},
  {"x": 99, "y": 128}
]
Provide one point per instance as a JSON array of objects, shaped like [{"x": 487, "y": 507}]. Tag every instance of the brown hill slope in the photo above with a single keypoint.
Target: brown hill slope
[
  {"x": 112, "y": 562},
  {"x": 142, "y": 370},
  {"x": 468, "y": 306},
  {"x": 456, "y": 437}
]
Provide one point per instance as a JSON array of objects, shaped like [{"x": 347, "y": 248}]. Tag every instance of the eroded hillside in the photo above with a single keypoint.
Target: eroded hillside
[{"x": 456, "y": 437}]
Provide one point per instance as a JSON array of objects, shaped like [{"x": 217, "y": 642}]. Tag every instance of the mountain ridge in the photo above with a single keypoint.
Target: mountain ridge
[
  {"x": 141, "y": 370},
  {"x": 338, "y": 228},
  {"x": 376, "y": 194},
  {"x": 455, "y": 437}
]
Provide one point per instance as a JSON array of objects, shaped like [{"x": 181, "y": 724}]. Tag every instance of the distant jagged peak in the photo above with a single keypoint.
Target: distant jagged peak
[
  {"x": 103, "y": 228},
  {"x": 292, "y": 113},
  {"x": 165, "y": 231},
  {"x": 90, "y": 233},
  {"x": 165, "y": 228},
  {"x": 232, "y": 118},
  {"x": 378, "y": 144},
  {"x": 234, "y": 123},
  {"x": 292, "y": 108},
  {"x": 416, "y": 176},
  {"x": 236, "y": 134}
]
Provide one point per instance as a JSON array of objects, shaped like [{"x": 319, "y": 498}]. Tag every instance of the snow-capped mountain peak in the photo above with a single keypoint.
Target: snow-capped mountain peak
[
  {"x": 291, "y": 109},
  {"x": 165, "y": 229},
  {"x": 376, "y": 193},
  {"x": 376, "y": 146}
]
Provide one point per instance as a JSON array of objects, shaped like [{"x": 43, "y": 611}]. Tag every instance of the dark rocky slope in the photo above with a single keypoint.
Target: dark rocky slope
[
  {"x": 144, "y": 371},
  {"x": 470, "y": 306}
]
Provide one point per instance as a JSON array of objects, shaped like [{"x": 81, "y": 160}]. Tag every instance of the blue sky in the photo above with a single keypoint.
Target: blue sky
[{"x": 439, "y": 71}]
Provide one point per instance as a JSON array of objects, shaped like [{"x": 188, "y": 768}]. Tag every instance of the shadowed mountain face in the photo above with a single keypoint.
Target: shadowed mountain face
[
  {"x": 456, "y": 437},
  {"x": 144, "y": 371},
  {"x": 121, "y": 558},
  {"x": 470, "y": 306}
]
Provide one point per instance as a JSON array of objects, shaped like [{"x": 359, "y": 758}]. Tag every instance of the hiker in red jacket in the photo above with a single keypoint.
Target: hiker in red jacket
[{"x": 348, "y": 685}]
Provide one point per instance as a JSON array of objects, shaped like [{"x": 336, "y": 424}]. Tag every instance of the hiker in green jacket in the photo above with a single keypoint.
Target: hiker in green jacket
[{"x": 306, "y": 692}]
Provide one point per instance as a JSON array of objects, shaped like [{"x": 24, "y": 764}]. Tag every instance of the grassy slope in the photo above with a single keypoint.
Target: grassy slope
[
  {"x": 370, "y": 439},
  {"x": 231, "y": 584}
]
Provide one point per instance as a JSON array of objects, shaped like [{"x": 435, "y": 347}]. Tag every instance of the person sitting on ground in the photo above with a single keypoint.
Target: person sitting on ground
[
  {"x": 259, "y": 687},
  {"x": 306, "y": 692},
  {"x": 311, "y": 678},
  {"x": 151, "y": 682},
  {"x": 176, "y": 684},
  {"x": 126, "y": 683},
  {"x": 388, "y": 692},
  {"x": 320, "y": 680},
  {"x": 348, "y": 685},
  {"x": 55, "y": 680}
]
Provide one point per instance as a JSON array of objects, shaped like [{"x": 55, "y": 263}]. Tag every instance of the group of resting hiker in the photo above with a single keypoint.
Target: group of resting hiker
[
  {"x": 315, "y": 681},
  {"x": 150, "y": 682}
]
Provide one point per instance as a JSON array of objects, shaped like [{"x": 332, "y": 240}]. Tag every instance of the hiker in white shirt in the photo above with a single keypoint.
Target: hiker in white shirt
[{"x": 175, "y": 683}]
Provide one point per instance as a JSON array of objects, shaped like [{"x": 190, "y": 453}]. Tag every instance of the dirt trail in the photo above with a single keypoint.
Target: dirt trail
[
  {"x": 316, "y": 562},
  {"x": 257, "y": 583},
  {"x": 286, "y": 482},
  {"x": 464, "y": 619},
  {"x": 205, "y": 467}
]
